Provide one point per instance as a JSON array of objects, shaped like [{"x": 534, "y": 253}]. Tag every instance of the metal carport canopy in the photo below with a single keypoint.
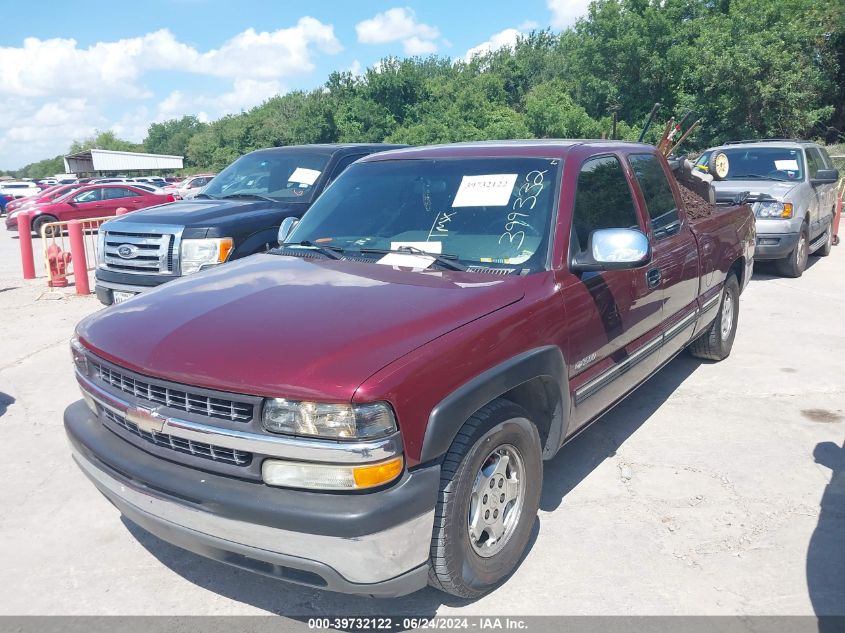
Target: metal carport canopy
[{"x": 108, "y": 160}]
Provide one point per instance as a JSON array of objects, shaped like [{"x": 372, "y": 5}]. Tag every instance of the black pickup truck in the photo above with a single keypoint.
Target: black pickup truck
[{"x": 238, "y": 214}]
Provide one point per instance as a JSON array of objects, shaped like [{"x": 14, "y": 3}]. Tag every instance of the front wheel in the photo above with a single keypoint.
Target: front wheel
[
  {"x": 716, "y": 342},
  {"x": 489, "y": 494},
  {"x": 793, "y": 265}
]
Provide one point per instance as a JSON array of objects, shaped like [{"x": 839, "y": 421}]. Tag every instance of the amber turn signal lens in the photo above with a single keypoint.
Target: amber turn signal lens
[
  {"x": 225, "y": 248},
  {"x": 787, "y": 210},
  {"x": 377, "y": 474}
]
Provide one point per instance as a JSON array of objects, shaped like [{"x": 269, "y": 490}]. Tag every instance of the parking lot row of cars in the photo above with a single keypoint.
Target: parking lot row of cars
[{"x": 26, "y": 191}]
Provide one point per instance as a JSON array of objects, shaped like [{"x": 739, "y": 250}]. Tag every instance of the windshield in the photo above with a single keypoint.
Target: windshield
[
  {"x": 288, "y": 176},
  {"x": 767, "y": 163},
  {"x": 481, "y": 211}
]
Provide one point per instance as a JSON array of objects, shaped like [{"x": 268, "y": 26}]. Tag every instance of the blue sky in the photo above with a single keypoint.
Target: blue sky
[{"x": 65, "y": 72}]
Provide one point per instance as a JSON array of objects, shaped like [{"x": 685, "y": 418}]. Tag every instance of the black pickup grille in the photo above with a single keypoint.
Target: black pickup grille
[{"x": 181, "y": 400}]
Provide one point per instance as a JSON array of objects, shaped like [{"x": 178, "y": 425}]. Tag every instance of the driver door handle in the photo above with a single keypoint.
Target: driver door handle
[{"x": 653, "y": 278}]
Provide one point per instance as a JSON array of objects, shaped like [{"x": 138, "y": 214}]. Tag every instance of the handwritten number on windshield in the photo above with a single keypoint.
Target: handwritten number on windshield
[{"x": 528, "y": 192}]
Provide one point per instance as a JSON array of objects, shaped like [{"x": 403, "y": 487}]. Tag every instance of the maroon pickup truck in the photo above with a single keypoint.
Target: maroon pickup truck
[{"x": 367, "y": 408}]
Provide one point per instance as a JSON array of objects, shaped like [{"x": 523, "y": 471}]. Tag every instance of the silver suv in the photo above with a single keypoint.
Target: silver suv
[{"x": 792, "y": 189}]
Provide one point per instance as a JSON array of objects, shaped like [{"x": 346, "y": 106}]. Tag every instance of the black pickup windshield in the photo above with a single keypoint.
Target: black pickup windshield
[
  {"x": 482, "y": 211},
  {"x": 288, "y": 176}
]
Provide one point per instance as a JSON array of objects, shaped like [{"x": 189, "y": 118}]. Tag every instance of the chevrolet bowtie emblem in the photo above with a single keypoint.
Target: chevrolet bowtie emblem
[{"x": 146, "y": 419}]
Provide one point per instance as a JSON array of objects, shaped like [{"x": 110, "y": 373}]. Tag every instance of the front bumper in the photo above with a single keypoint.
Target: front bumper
[
  {"x": 775, "y": 245},
  {"x": 108, "y": 281},
  {"x": 370, "y": 543}
]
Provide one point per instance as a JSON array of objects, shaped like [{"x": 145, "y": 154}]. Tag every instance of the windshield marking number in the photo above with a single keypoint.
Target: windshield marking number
[{"x": 515, "y": 218}]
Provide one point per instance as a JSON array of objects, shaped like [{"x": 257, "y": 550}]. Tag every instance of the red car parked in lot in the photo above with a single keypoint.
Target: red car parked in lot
[
  {"x": 91, "y": 201},
  {"x": 48, "y": 195}
]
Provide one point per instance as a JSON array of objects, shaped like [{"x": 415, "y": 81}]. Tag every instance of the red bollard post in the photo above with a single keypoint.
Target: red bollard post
[
  {"x": 77, "y": 253},
  {"x": 836, "y": 218},
  {"x": 25, "y": 236}
]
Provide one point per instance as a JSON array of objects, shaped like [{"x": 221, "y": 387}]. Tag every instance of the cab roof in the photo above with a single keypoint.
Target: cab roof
[{"x": 554, "y": 148}]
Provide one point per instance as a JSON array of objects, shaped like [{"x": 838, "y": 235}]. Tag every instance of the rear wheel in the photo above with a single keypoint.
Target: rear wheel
[
  {"x": 40, "y": 221},
  {"x": 489, "y": 495},
  {"x": 716, "y": 342},
  {"x": 793, "y": 265}
]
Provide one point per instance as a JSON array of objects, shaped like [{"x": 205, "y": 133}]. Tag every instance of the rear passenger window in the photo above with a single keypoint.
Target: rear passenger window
[
  {"x": 662, "y": 210},
  {"x": 113, "y": 193},
  {"x": 602, "y": 201}
]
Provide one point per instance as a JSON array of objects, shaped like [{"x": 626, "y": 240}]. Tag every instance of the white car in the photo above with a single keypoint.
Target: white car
[
  {"x": 19, "y": 188},
  {"x": 191, "y": 186}
]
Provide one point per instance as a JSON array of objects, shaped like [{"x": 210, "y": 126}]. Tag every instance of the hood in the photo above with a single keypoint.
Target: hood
[
  {"x": 280, "y": 326},
  {"x": 203, "y": 212},
  {"x": 774, "y": 189}
]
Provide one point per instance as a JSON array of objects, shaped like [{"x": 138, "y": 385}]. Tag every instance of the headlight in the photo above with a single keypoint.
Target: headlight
[
  {"x": 80, "y": 358},
  {"x": 101, "y": 248},
  {"x": 276, "y": 472},
  {"x": 774, "y": 209},
  {"x": 330, "y": 421},
  {"x": 205, "y": 252}
]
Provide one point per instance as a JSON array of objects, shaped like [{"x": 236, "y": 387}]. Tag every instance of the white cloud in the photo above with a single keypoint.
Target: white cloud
[
  {"x": 416, "y": 46},
  {"x": 52, "y": 91},
  {"x": 566, "y": 12},
  {"x": 506, "y": 38},
  {"x": 399, "y": 24},
  {"x": 355, "y": 68},
  {"x": 30, "y": 130},
  {"x": 41, "y": 67},
  {"x": 245, "y": 94},
  {"x": 528, "y": 25}
]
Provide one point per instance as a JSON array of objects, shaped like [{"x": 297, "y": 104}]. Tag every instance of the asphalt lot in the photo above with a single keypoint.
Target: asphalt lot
[{"x": 709, "y": 491}]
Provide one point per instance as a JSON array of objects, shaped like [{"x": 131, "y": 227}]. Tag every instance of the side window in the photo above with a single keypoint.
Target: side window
[
  {"x": 342, "y": 164},
  {"x": 92, "y": 195},
  {"x": 662, "y": 210},
  {"x": 111, "y": 193},
  {"x": 602, "y": 200},
  {"x": 814, "y": 162},
  {"x": 828, "y": 162}
]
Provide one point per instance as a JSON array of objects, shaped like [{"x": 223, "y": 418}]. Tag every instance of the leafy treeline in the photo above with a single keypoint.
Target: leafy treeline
[{"x": 748, "y": 68}]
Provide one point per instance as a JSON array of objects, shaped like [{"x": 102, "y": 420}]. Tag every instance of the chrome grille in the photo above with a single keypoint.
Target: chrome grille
[
  {"x": 221, "y": 408},
  {"x": 198, "y": 449},
  {"x": 153, "y": 253}
]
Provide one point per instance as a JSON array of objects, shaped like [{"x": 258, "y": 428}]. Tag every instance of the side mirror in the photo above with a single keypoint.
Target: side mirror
[
  {"x": 286, "y": 228},
  {"x": 825, "y": 176},
  {"x": 613, "y": 249}
]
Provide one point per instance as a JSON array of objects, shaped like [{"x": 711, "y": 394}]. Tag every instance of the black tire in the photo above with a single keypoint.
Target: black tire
[
  {"x": 455, "y": 566},
  {"x": 794, "y": 264},
  {"x": 40, "y": 221},
  {"x": 713, "y": 344}
]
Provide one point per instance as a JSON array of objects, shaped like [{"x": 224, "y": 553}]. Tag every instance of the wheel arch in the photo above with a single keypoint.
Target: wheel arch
[{"x": 535, "y": 380}]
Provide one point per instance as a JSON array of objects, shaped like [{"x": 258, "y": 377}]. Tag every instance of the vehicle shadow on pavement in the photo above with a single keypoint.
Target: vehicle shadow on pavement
[
  {"x": 766, "y": 270},
  {"x": 826, "y": 551},
  {"x": 599, "y": 442},
  {"x": 5, "y": 401}
]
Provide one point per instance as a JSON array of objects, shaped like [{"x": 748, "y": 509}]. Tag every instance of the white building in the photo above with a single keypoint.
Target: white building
[{"x": 104, "y": 160}]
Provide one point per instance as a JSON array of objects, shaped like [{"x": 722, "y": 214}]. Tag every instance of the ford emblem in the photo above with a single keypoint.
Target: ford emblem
[{"x": 127, "y": 251}]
